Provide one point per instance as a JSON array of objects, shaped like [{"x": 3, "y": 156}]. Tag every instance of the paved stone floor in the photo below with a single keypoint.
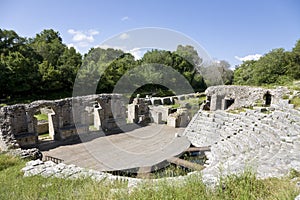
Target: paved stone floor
[{"x": 141, "y": 147}]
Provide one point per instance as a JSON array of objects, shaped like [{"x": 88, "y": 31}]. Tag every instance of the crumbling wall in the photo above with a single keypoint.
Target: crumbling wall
[
  {"x": 19, "y": 127},
  {"x": 242, "y": 96}
]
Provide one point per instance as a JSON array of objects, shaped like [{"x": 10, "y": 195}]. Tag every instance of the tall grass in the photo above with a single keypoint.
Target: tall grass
[{"x": 243, "y": 186}]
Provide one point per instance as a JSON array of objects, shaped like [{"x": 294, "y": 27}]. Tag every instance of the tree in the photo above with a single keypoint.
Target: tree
[
  {"x": 58, "y": 64},
  {"x": 68, "y": 65},
  {"x": 293, "y": 68},
  {"x": 270, "y": 68},
  {"x": 177, "y": 61},
  {"x": 276, "y": 67},
  {"x": 190, "y": 54},
  {"x": 243, "y": 74},
  {"x": 48, "y": 44},
  {"x": 19, "y": 74},
  {"x": 103, "y": 68}
]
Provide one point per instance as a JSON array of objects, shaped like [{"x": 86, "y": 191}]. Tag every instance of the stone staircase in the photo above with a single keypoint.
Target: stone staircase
[{"x": 267, "y": 142}]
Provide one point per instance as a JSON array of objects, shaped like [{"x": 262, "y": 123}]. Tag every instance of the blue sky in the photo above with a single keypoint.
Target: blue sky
[{"x": 228, "y": 30}]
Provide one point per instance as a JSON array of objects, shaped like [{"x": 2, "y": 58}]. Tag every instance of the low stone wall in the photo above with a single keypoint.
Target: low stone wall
[
  {"x": 161, "y": 112},
  {"x": 61, "y": 170},
  {"x": 19, "y": 127},
  {"x": 154, "y": 108},
  {"x": 42, "y": 127}
]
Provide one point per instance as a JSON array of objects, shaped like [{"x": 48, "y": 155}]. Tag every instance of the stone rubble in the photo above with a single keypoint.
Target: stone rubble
[
  {"x": 50, "y": 169},
  {"x": 31, "y": 154}
]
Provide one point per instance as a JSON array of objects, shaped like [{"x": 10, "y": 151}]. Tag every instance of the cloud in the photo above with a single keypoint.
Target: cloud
[
  {"x": 123, "y": 36},
  {"x": 248, "y": 57},
  {"x": 124, "y": 18},
  {"x": 138, "y": 53},
  {"x": 106, "y": 46},
  {"x": 82, "y": 38}
]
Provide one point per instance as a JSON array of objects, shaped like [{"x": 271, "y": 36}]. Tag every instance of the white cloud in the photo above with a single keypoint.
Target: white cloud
[
  {"x": 93, "y": 32},
  {"x": 106, "y": 46},
  {"x": 123, "y": 36},
  {"x": 124, "y": 18},
  {"x": 72, "y": 45},
  {"x": 82, "y": 38},
  {"x": 248, "y": 57},
  {"x": 217, "y": 61},
  {"x": 138, "y": 53}
]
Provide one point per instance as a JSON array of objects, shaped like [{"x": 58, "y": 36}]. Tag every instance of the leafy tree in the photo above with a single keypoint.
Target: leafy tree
[
  {"x": 276, "y": 67},
  {"x": 270, "y": 67},
  {"x": 58, "y": 64},
  {"x": 179, "y": 63},
  {"x": 190, "y": 54},
  {"x": 48, "y": 44},
  {"x": 293, "y": 68},
  {"x": 19, "y": 74},
  {"x": 10, "y": 41},
  {"x": 103, "y": 68},
  {"x": 68, "y": 65},
  {"x": 243, "y": 74},
  {"x": 115, "y": 70}
]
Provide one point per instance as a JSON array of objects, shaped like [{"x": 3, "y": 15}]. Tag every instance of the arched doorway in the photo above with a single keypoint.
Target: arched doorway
[
  {"x": 44, "y": 124},
  {"x": 267, "y": 98}
]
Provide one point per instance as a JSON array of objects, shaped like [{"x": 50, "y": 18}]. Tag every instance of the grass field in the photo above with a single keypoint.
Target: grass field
[{"x": 245, "y": 186}]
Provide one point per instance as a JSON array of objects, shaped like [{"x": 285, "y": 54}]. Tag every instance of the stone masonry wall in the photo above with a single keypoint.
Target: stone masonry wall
[
  {"x": 18, "y": 126},
  {"x": 243, "y": 96}
]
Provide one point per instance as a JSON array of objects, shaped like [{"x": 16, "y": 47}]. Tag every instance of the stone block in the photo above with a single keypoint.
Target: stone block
[{"x": 172, "y": 121}]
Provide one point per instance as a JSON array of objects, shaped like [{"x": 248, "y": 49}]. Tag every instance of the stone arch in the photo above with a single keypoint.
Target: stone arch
[{"x": 228, "y": 102}]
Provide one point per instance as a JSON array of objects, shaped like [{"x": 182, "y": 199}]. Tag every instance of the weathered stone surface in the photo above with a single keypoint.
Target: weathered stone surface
[
  {"x": 31, "y": 154},
  {"x": 268, "y": 143},
  {"x": 66, "y": 119},
  {"x": 224, "y": 97}
]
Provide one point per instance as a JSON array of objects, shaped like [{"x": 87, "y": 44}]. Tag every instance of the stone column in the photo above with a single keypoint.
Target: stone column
[
  {"x": 97, "y": 118},
  {"x": 132, "y": 113}
]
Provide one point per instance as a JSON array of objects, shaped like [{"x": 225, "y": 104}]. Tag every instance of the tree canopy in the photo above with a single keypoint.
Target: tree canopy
[
  {"x": 277, "y": 67},
  {"x": 44, "y": 65},
  {"x": 36, "y": 65}
]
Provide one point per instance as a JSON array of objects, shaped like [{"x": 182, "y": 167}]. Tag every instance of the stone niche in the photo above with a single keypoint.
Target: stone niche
[
  {"x": 232, "y": 97},
  {"x": 178, "y": 119},
  {"x": 66, "y": 119},
  {"x": 159, "y": 114},
  {"x": 138, "y": 111}
]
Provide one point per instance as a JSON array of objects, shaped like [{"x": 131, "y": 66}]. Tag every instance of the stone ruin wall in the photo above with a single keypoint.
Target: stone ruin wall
[
  {"x": 233, "y": 97},
  {"x": 155, "y": 109},
  {"x": 72, "y": 116},
  {"x": 18, "y": 126}
]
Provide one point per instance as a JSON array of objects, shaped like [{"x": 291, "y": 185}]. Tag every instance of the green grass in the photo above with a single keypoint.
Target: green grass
[
  {"x": 237, "y": 111},
  {"x": 14, "y": 186},
  {"x": 40, "y": 117},
  {"x": 285, "y": 96},
  {"x": 176, "y": 105},
  {"x": 44, "y": 135},
  {"x": 245, "y": 186},
  {"x": 92, "y": 128},
  {"x": 296, "y": 102}
]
